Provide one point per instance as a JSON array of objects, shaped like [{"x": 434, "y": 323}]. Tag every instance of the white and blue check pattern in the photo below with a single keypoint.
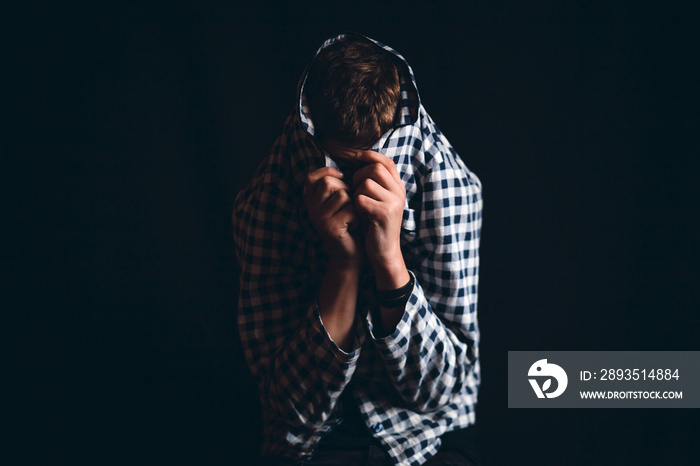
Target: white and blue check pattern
[{"x": 411, "y": 386}]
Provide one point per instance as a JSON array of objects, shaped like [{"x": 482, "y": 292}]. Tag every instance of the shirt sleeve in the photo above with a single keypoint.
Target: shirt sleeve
[
  {"x": 432, "y": 354},
  {"x": 300, "y": 371}
]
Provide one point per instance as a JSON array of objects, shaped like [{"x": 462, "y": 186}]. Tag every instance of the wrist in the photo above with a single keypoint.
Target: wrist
[
  {"x": 391, "y": 275},
  {"x": 395, "y": 298},
  {"x": 344, "y": 265}
]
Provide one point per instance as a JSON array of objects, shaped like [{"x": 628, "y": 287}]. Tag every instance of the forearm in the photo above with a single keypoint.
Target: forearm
[
  {"x": 390, "y": 275},
  {"x": 337, "y": 301},
  {"x": 430, "y": 354},
  {"x": 301, "y": 371},
  {"x": 308, "y": 374}
]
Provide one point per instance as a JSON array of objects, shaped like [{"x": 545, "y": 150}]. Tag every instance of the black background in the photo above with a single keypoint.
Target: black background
[{"x": 129, "y": 129}]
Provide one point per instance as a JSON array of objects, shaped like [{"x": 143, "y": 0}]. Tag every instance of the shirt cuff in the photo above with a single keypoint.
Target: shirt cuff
[
  {"x": 358, "y": 336},
  {"x": 403, "y": 328}
]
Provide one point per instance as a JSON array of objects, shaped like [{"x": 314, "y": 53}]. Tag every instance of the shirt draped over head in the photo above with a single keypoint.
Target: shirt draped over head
[{"x": 411, "y": 386}]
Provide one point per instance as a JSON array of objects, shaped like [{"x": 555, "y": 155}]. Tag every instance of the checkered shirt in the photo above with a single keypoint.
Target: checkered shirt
[{"x": 411, "y": 386}]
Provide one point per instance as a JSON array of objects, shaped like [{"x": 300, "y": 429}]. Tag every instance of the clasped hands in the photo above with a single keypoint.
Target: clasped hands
[{"x": 361, "y": 218}]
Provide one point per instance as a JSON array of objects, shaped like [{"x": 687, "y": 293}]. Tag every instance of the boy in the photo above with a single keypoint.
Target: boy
[{"x": 358, "y": 242}]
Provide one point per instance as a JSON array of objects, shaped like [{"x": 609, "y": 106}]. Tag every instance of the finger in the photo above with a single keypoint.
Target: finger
[
  {"x": 379, "y": 174},
  {"x": 369, "y": 156},
  {"x": 338, "y": 201},
  {"x": 366, "y": 206},
  {"x": 348, "y": 216},
  {"x": 316, "y": 175},
  {"x": 323, "y": 189},
  {"x": 373, "y": 190}
]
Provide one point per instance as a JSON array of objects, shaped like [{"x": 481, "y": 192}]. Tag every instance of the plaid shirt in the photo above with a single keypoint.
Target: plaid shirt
[{"x": 411, "y": 386}]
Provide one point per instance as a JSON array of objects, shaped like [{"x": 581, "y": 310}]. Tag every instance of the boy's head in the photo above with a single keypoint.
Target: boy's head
[{"x": 353, "y": 92}]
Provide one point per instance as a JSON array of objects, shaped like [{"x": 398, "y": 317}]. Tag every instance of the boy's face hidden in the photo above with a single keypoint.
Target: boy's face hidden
[{"x": 345, "y": 156}]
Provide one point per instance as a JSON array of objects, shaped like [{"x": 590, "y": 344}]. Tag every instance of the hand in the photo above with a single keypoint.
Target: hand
[
  {"x": 332, "y": 213},
  {"x": 379, "y": 196}
]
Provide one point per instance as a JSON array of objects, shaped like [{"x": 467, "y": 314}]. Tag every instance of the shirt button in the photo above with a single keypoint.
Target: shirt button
[{"x": 377, "y": 427}]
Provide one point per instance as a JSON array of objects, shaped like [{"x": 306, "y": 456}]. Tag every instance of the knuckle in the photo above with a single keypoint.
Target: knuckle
[
  {"x": 397, "y": 209},
  {"x": 311, "y": 177},
  {"x": 326, "y": 182},
  {"x": 377, "y": 169},
  {"x": 343, "y": 195}
]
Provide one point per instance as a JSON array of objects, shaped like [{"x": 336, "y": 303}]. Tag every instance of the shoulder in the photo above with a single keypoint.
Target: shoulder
[
  {"x": 265, "y": 203},
  {"x": 443, "y": 167}
]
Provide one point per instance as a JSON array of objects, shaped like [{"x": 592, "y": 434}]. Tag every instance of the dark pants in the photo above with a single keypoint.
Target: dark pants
[
  {"x": 376, "y": 456},
  {"x": 351, "y": 445}
]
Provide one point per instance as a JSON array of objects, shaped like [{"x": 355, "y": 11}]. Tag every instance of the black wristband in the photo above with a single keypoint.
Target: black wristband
[
  {"x": 398, "y": 302},
  {"x": 397, "y": 297}
]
